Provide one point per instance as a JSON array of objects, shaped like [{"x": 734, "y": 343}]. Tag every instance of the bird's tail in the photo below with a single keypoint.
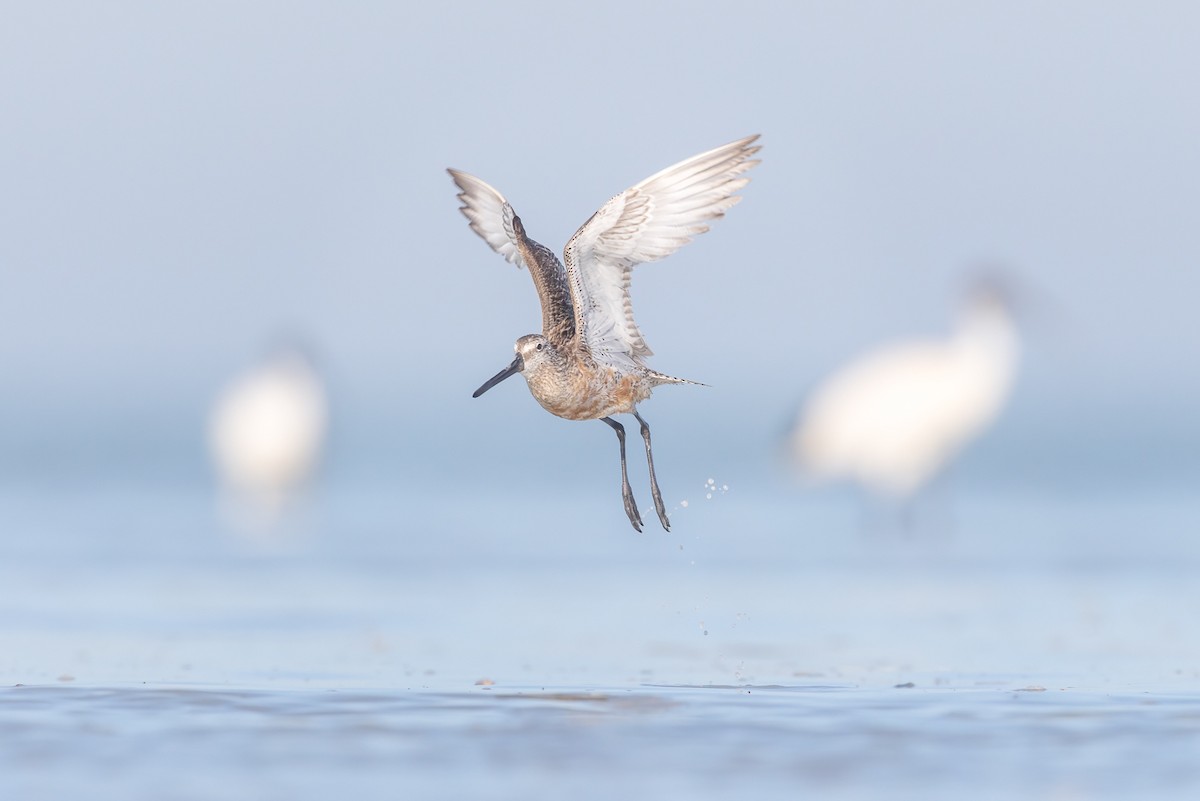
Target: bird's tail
[{"x": 662, "y": 378}]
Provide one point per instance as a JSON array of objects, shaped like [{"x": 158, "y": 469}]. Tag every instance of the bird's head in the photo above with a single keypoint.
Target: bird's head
[{"x": 532, "y": 352}]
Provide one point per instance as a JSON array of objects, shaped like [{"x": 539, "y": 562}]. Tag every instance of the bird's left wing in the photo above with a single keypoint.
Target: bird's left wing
[
  {"x": 489, "y": 214},
  {"x": 493, "y": 218},
  {"x": 646, "y": 222}
]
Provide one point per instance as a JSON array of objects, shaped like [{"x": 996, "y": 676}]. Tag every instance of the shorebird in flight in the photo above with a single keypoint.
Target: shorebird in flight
[{"x": 589, "y": 361}]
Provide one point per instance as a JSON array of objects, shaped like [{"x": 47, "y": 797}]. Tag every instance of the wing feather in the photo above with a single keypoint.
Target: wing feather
[
  {"x": 489, "y": 214},
  {"x": 647, "y": 222},
  {"x": 493, "y": 218}
]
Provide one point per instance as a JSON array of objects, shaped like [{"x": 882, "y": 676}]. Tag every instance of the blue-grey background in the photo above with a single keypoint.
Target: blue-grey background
[
  {"x": 181, "y": 184},
  {"x": 184, "y": 184}
]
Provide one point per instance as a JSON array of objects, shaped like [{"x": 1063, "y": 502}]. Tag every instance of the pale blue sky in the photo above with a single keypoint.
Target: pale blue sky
[{"x": 181, "y": 182}]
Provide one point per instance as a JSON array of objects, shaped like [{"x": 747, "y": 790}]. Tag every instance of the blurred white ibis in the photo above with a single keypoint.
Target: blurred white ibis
[
  {"x": 892, "y": 418},
  {"x": 267, "y": 429}
]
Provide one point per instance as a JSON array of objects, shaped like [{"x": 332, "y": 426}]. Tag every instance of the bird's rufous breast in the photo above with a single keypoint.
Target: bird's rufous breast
[{"x": 588, "y": 392}]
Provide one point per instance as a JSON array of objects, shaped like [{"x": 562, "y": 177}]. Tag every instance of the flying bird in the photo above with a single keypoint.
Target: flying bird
[
  {"x": 589, "y": 361},
  {"x": 891, "y": 419}
]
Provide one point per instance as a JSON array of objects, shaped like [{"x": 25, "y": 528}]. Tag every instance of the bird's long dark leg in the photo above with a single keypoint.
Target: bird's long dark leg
[
  {"x": 658, "y": 501},
  {"x": 626, "y": 491}
]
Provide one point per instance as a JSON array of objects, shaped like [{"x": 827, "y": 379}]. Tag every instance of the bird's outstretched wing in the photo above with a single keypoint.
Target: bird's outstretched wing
[
  {"x": 646, "y": 222},
  {"x": 493, "y": 218}
]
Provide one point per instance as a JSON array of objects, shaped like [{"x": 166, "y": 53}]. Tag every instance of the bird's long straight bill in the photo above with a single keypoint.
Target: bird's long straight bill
[{"x": 516, "y": 367}]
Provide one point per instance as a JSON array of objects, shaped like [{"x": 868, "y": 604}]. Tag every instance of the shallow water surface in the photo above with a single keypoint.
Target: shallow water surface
[
  {"x": 1043, "y": 651},
  {"x": 188, "y": 742}
]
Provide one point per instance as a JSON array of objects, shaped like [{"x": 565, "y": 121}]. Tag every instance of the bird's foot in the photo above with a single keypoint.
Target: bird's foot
[
  {"x": 631, "y": 508},
  {"x": 660, "y": 507}
]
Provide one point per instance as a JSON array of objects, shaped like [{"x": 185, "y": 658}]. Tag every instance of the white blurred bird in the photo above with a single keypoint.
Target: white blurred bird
[
  {"x": 267, "y": 430},
  {"x": 893, "y": 418}
]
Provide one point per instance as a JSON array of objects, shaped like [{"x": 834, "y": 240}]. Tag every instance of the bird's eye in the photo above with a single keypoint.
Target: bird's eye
[{"x": 539, "y": 346}]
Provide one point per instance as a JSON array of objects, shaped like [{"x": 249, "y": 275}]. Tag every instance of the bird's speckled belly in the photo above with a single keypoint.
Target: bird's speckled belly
[{"x": 590, "y": 394}]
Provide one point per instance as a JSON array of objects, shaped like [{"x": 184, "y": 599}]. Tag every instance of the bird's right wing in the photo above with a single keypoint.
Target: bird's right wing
[
  {"x": 647, "y": 222},
  {"x": 493, "y": 218}
]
